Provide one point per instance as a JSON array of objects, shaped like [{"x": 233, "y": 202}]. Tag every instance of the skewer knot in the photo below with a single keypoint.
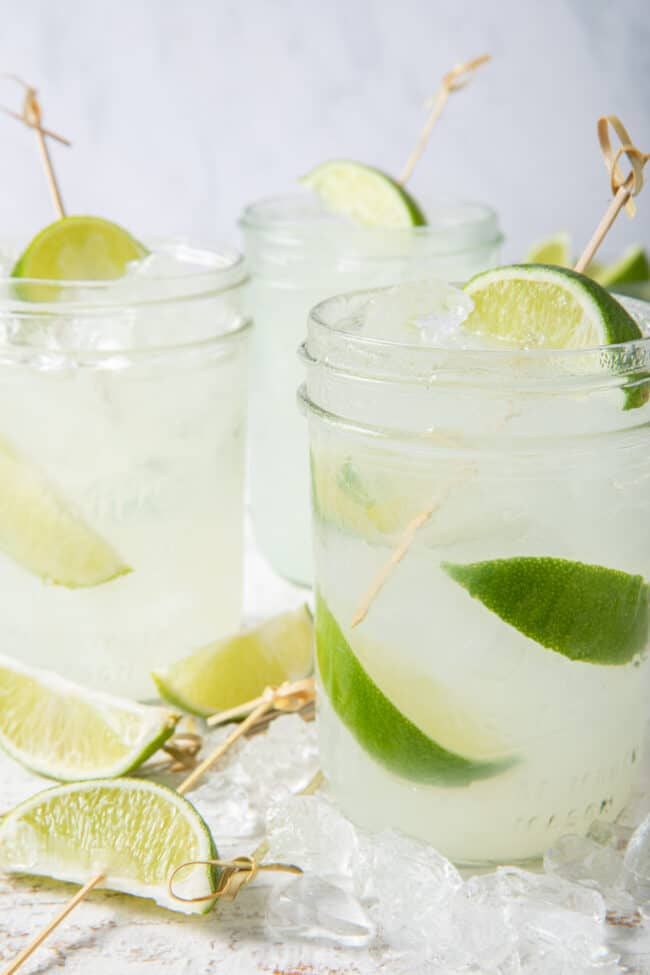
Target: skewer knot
[{"x": 632, "y": 182}]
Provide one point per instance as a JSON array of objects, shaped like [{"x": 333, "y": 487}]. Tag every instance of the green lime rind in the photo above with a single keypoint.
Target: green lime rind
[
  {"x": 365, "y": 194},
  {"x": 379, "y": 727},
  {"x": 544, "y": 306},
  {"x": 133, "y": 831},
  {"x": 66, "y": 732},
  {"x": 80, "y": 248},
  {"x": 236, "y": 669},
  {"x": 41, "y": 533},
  {"x": 587, "y": 613}
]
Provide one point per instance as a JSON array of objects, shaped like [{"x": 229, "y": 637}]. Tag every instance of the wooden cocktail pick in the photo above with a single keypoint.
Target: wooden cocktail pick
[
  {"x": 32, "y": 117},
  {"x": 459, "y": 77},
  {"x": 236, "y": 873},
  {"x": 624, "y": 188}
]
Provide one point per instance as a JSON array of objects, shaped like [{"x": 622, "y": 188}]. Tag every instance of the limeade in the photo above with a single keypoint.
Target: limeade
[
  {"x": 301, "y": 248},
  {"x": 493, "y": 697},
  {"x": 122, "y": 408}
]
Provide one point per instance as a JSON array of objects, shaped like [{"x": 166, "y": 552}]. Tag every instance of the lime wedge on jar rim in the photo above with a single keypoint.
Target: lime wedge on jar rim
[
  {"x": 75, "y": 249},
  {"x": 365, "y": 194},
  {"x": 537, "y": 306}
]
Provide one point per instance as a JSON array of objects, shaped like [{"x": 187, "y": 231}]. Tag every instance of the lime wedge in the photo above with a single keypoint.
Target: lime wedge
[
  {"x": 343, "y": 497},
  {"x": 586, "y": 612},
  {"x": 38, "y": 531},
  {"x": 230, "y": 672},
  {"x": 555, "y": 249},
  {"x": 539, "y": 306},
  {"x": 134, "y": 832},
  {"x": 364, "y": 194},
  {"x": 534, "y": 306},
  {"x": 65, "y": 732},
  {"x": 76, "y": 249},
  {"x": 632, "y": 268},
  {"x": 379, "y": 727}
]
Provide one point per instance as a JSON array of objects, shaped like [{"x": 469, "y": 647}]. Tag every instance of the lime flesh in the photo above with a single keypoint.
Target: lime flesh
[
  {"x": 230, "y": 672},
  {"x": 66, "y": 732},
  {"x": 588, "y": 613},
  {"x": 380, "y": 728},
  {"x": 365, "y": 194},
  {"x": 540, "y": 306},
  {"x": 38, "y": 531},
  {"x": 134, "y": 832},
  {"x": 79, "y": 249}
]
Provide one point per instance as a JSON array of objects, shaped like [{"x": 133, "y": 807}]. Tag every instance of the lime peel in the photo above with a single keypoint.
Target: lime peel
[
  {"x": 588, "y": 613},
  {"x": 379, "y": 727}
]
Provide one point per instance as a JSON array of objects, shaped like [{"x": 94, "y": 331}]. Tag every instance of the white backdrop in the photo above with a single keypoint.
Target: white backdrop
[{"x": 182, "y": 112}]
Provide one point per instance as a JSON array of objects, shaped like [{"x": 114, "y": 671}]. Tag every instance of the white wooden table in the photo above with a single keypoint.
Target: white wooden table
[{"x": 110, "y": 934}]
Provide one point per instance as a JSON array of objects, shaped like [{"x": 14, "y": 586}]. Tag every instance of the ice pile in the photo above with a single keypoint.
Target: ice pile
[
  {"x": 256, "y": 775},
  {"x": 420, "y": 313},
  {"x": 394, "y": 899},
  {"x": 388, "y": 890},
  {"x": 586, "y": 913}
]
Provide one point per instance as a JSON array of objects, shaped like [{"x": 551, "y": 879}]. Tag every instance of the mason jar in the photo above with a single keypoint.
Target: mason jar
[
  {"x": 298, "y": 254},
  {"x": 122, "y": 421},
  {"x": 481, "y": 524}
]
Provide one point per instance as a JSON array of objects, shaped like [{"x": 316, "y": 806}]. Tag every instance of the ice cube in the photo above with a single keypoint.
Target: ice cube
[
  {"x": 426, "y": 312},
  {"x": 316, "y": 909},
  {"x": 310, "y": 832},
  {"x": 583, "y": 861},
  {"x": 637, "y": 862},
  {"x": 406, "y": 886},
  {"x": 546, "y": 909},
  {"x": 256, "y": 775}
]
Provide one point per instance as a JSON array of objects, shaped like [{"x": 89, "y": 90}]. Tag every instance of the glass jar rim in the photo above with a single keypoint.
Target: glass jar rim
[
  {"x": 223, "y": 268},
  {"x": 336, "y": 349},
  {"x": 294, "y": 216},
  {"x": 212, "y": 272}
]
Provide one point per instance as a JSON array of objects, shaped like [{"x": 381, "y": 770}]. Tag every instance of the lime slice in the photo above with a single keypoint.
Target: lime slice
[
  {"x": 343, "y": 497},
  {"x": 555, "y": 249},
  {"x": 65, "y": 732},
  {"x": 230, "y": 672},
  {"x": 38, "y": 531},
  {"x": 537, "y": 306},
  {"x": 586, "y": 612},
  {"x": 364, "y": 194},
  {"x": 379, "y": 727},
  {"x": 134, "y": 832},
  {"x": 632, "y": 268}
]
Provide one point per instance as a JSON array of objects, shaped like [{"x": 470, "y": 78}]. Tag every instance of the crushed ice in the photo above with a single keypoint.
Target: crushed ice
[{"x": 586, "y": 912}]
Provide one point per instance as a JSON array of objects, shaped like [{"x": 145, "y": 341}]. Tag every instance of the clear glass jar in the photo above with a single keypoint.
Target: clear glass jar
[
  {"x": 298, "y": 254},
  {"x": 438, "y": 715},
  {"x": 122, "y": 419}
]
